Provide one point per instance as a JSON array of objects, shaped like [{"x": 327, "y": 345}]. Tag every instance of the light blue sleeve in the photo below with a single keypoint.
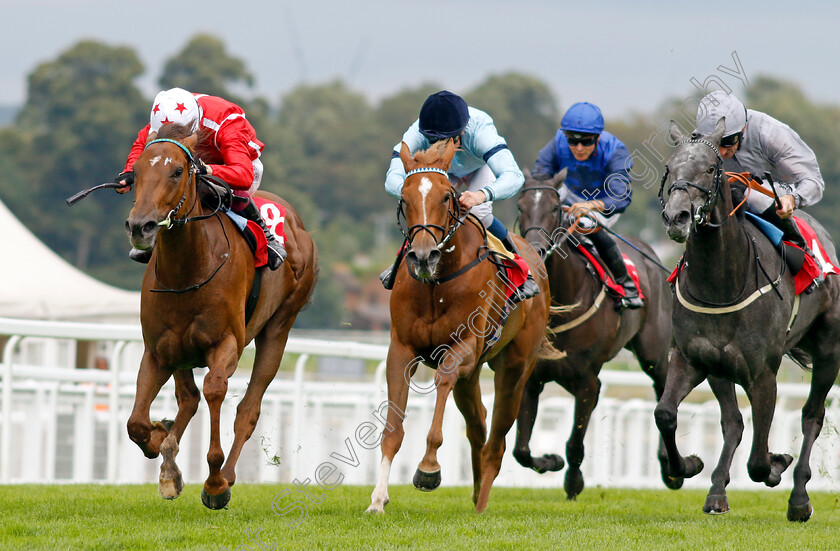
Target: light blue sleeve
[
  {"x": 492, "y": 148},
  {"x": 395, "y": 177}
]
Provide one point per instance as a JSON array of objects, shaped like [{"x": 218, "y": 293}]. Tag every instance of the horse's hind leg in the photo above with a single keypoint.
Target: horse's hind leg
[
  {"x": 586, "y": 393},
  {"x": 467, "y": 394},
  {"x": 400, "y": 369},
  {"x": 270, "y": 347},
  {"x": 222, "y": 361},
  {"x": 511, "y": 374},
  {"x": 813, "y": 415},
  {"x": 682, "y": 378},
  {"x": 150, "y": 378},
  {"x": 763, "y": 466},
  {"x": 170, "y": 483},
  {"x": 524, "y": 430},
  {"x": 732, "y": 426}
]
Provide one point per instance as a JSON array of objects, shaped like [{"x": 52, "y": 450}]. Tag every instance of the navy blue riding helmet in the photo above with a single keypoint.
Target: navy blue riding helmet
[{"x": 443, "y": 115}]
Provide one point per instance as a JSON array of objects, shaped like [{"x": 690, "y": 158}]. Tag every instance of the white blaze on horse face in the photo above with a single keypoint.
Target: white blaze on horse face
[
  {"x": 154, "y": 160},
  {"x": 425, "y": 188},
  {"x": 537, "y": 196},
  {"x": 167, "y": 161}
]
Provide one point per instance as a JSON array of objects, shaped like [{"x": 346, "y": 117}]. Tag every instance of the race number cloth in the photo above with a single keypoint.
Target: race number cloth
[
  {"x": 605, "y": 276},
  {"x": 274, "y": 216}
]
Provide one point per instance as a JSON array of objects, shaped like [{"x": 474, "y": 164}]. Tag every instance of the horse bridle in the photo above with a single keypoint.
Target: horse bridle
[
  {"x": 558, "y": 219},
  {"x": 454, "y": 214},
  {"x": 170, "y": 222},
  {"x": 701, "y": 216}
]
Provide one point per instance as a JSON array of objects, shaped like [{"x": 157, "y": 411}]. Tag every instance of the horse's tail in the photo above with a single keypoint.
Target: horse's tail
[
  {"x": 316, "y": 271},
  {"x": 547, "y": 350},
  {"x": 562, "y": 309},
  {"x": 801, "y": 358}
]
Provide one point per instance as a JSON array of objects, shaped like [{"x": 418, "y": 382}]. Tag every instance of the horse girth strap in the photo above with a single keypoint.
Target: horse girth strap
[{"x": 586, "y": 315}]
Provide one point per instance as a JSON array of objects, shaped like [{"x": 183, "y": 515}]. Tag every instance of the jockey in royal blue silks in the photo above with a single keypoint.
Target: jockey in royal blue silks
[
  {"x": 597, "y": 184},
  {"x": 482, "y": 161}
]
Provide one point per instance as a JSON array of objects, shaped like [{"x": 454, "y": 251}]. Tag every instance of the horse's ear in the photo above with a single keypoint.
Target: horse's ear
[
  {"x": 150, "y": 137},
  {"x": 675, "y": 132},
  {"x": 717, "y": 133},
  {"x": 559, "y": 178},
  {"x": 527, "y": 173},
  {"x": 191, "y": 141},
  {"x": 448, "y": 153},
  {"x": 405, "y": 156}
]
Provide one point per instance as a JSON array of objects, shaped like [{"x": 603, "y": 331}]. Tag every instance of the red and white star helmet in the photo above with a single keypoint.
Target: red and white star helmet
[{"x": 175, "y": 105}]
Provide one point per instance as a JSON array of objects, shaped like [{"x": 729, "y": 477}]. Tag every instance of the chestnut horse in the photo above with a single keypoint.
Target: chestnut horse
[
  {"x": 735, "y": 316},
  {"x": 193, "y": 305},
  {"x": 445, "y": 313},
  {"x": 590, "y": 334}
]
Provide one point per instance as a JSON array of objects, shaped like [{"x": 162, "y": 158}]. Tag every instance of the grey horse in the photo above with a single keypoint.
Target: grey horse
[{"x": 735, "y": 317}]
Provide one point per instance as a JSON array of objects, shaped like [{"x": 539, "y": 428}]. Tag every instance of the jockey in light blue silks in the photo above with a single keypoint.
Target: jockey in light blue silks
[
  {"x": 597, "y": 183},
  {"x": 482, "y": 161}
]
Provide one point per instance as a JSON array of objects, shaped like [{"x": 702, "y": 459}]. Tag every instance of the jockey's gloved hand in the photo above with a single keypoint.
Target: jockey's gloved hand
[
  {"x": 204, "y": 168},
  {"x": 126, "y": 178}
]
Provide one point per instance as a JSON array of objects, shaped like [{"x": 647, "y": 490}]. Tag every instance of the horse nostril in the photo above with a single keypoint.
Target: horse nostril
[
  {"x": 434, "y": 256},
  {"x": 149, "y": 227},
  {"x": 683, "y": 217},
  {"x": 411, "y": 257}
]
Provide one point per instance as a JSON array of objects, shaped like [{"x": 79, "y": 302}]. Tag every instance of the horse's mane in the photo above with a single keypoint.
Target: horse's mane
[
  {"x": 433, "y": 155},
  {"x": 179, "y": 132}
]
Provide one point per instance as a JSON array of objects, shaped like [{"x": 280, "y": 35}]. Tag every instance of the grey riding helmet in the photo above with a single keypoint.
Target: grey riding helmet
[{"x": 720, "y": 104}]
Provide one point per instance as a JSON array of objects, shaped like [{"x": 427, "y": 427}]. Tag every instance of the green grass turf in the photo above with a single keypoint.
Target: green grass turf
[{"x": 135, "y": 517}]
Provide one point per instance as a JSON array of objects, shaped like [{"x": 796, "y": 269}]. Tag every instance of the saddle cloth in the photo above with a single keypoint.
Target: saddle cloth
[
  {"x": 616, "y": 290},
  {"x": 274, "y": 216},
  {"x": 810, "y": 268},
  {"x": 516, "y": 268}
]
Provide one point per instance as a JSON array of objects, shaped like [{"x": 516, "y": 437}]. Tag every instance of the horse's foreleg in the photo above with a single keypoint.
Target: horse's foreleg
[
  {"x": 732, "y": 426},
  {"x": 170, "y": 482},
  {"x": 270, "y": 349},
  {"x": 222, "y": 361},
  {"x": 427, "y": 476},
  {"x": 763, "y": 466},
  {"x": 586, "y": 393},
  {"x": 813, "y": 414},
  {"x": 682, "y": 378},
  {"x": 512, "y": 371},
  {"x": 150, "y": 378},
  {"x": 399, "y": 371},
  {"x": 467, "y": 395}
]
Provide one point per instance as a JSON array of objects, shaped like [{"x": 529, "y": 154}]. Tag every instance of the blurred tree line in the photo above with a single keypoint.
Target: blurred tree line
[{"x": 327, "y": 150}]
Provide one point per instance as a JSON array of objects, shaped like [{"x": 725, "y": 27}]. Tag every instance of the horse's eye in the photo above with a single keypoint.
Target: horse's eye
[
  {"x": 179, "y": 172},
  {"x": 445, "y": 199},
  {"x": 710, "y": 169}
]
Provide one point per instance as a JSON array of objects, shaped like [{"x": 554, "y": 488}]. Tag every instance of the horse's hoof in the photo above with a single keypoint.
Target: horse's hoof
[
  {"x": 372, "y": 510},
  {"x": 779, "y": 462},
  {"x": 548, "y": 462},
  {"x": 215, "y": 502},
  {"x": 693, "y": 466},
  {"x": 716, "y": 505},
  {"x": 172, "y": 488},
  {"x": 426, "y": 482},
  {"x": 673, "y": 482},
  {"x": 573, "y": 484},
  {"x": 799, "y": 513}
]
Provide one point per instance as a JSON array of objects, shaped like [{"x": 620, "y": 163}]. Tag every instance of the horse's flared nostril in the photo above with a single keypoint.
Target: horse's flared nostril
[
  {"x": 434, "y": 256},
  {"x": 149, "y": 228},
  {"x": 683, "y": 217}
]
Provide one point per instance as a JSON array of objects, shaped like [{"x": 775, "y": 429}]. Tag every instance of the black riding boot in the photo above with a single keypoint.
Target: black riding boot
[
  {"x": 140, "y": 255},
  {"x": 611, "y": 254},
  {"x": 276, "y": 251},
  {"x": 529, "y": 288},
  {"x": 790, "y": 232}
]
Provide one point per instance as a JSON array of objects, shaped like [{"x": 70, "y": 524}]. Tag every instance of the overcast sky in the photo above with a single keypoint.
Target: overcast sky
[{"x": 625, "y": 57}]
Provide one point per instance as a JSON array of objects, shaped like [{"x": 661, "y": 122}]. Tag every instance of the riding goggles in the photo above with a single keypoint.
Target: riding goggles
[
  {"x": 585, "y": 140},
  {"x": 731, "y": 140}
]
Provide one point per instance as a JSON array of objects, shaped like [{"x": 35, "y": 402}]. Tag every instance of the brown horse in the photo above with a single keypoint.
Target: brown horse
[
  {"x": 590, "y": 334},
  {"x": 445, "y": 313},
  {"x": 193, "y": 306}
]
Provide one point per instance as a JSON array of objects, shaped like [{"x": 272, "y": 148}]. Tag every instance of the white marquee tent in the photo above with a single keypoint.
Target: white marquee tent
[{"x": 36, "y": 283}]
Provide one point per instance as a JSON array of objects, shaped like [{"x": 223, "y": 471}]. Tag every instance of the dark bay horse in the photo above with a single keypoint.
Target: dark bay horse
[
  {"x": 592, "y": 332},
  {"x": 445, "y": 311},
  {"x": 193, "y": 307},
  {"x": 735, "y": 317}
]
